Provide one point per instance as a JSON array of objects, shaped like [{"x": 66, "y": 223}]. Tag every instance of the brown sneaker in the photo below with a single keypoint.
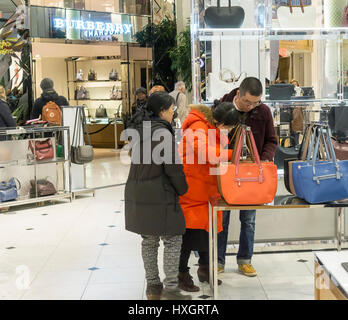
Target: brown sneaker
[
  {"x": 186, "y": 283},
  {"x": 203, "y": 274},
  {"x": 247, "y": 269},
  {"x": 154, "y": 291}
]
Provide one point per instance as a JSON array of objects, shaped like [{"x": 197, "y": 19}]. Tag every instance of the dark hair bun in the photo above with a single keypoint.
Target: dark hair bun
[{"x": 226, "y": 114}]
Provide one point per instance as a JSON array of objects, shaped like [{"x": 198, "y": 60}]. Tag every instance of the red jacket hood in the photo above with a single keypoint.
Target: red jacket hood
[{"x": 198, "y": 113}]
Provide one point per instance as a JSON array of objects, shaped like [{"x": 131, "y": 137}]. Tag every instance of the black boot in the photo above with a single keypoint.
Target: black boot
[
  {"x": 203, "y": 274},
  {"x": 186, "y": 283}
]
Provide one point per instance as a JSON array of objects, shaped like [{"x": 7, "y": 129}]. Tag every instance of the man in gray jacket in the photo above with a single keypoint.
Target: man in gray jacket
[{"x": 180, "y": 100}]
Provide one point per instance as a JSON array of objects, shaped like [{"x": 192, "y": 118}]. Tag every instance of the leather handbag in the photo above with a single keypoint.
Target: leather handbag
[
  {"x": 301, "y": 155},
  {"x": 43, "y": 150},
  {"x": 43, "y": 188},
  {"x": 115, "y": 93},
  {"x": 113, "y": 75},
  {"x": 281, "y": 91},
  {"x": 81, "y": 93},
  {"x": 341, "y": 149},
  {"x": 224, "y": 17},
  {"x": 247, "y": 182},
  {"x": 101, "y": 112},
  {"x": 297, "y": 120},
  {"x": 218, "y": 86},
  {"x": 297, "y": 14},
  {"x": 81, "y": 153},
  {"x": 92, "y": 75},
  {"x": 321, "y": 181},
  {"x": 283, "y": 152},
  {"x": 9, "y": 190}
]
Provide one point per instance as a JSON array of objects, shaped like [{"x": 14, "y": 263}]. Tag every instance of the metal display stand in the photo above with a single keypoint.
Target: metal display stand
[
  {"x": 78, "y": 171},
  {"x": 19, "y": 162}
]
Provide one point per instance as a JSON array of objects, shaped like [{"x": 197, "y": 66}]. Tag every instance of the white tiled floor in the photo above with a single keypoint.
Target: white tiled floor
[
  {"x": 64, "y": 244},
  {"x": 80, "y": 250}
]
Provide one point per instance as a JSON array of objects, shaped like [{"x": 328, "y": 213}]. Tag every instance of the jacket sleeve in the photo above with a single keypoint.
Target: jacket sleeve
[
  {"x": 204, "y": 148},
  {"x": 36, "y": 112},
  {"x": 65, "y": 101},
  {"x": 7, "y": 116},
  {"x": 270, "y": 144},
  {"x": 175, "y": 172}
]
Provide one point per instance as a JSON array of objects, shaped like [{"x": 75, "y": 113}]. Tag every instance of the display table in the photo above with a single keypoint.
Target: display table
[
  {"x": 103, "y": 134},
  {"x": 280, "y": 202},
  {"x": 331, "y": 280}
]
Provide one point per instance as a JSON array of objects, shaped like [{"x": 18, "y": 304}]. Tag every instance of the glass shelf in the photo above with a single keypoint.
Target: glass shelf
[
  {"x": 97, "y": 99},
  {"x": 99, "y": 83},
  {"x": 210, "y": 34}
]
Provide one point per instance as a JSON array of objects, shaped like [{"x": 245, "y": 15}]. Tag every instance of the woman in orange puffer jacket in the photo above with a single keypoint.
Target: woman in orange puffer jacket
[{"x": 202, "y": 147}]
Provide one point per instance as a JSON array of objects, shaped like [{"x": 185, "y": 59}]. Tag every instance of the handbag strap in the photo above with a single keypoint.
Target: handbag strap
[
  {"x": 84, "y": 126},
  {"x": 305, "y": 143},
  {"x": 74, "y": 141}
]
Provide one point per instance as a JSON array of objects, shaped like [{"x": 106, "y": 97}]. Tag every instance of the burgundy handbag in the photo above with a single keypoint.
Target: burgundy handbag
[
  {"x": 345, "y": 17},
  {"x": 43, "y": 149},
  {"x": 44, "y": 188},
  {"x": 341, "y": 149}
]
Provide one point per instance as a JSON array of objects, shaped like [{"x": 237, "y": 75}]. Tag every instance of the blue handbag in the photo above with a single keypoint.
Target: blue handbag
[
  {"x": 8, "y": 190},
  {"x": 321, "y": 181}
]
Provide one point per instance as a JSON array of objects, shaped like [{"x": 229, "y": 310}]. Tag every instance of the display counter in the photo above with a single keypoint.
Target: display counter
[
  {"x": 103, "y": 133},
  {"x": 331, "y": 279}
]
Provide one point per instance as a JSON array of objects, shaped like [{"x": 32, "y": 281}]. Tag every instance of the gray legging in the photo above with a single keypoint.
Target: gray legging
[{"x": 149, "y": 251}]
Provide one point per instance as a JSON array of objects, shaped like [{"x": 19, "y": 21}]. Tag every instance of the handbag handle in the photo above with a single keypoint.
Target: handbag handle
[
  {"x": 244, "y": 132},
  {"x": 325, "y": 133},
  {"x": 301, "y": 5},
  {"x": 218, "y": 3}
]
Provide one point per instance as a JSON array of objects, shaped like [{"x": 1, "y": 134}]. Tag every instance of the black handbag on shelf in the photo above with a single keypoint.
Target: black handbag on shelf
[
  {"x": 81, "y": 154},
  {"x": 101, "y": 112},
  {"x": 224, "y": 17},
  {"x": 281, "y": 91},
  {"x": 283, "y": 152}
]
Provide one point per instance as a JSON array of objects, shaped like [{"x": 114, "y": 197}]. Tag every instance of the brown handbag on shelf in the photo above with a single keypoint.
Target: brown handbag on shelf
[
  {"x": 297, "y": 120},
  {"x": 43, "y": 149},
  {"x": 44, "y": 188},
  {"x": 341, "y": 149},
  {"x": 92, "y": 75}
]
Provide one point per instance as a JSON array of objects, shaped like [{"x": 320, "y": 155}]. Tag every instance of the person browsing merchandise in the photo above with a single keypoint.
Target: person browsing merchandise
[{"x": 257, "y": 116}]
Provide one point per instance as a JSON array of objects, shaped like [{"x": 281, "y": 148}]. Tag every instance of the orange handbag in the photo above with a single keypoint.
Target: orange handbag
[{"x": 247, "y": 182}]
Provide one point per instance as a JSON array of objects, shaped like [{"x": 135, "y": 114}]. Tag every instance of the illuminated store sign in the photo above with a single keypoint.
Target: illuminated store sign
[{"x": 93, "y": 29}]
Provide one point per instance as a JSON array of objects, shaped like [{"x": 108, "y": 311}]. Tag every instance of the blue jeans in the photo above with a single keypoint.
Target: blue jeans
[{"x": 246, "y": 237}]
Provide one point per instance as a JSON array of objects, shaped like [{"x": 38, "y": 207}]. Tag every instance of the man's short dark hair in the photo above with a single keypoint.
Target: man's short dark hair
[{"x": 251, "y": 85}]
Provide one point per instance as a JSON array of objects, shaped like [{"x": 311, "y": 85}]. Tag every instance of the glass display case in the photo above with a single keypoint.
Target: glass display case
[{"x": 263, "y": 38}]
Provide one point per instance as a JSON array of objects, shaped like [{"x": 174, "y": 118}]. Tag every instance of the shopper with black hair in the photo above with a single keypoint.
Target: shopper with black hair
[
  {"x": 48, "y": 94},
  {"x": 256, "y": 115},
  {"x": 202, "y": 140},
  {"x": 152, "y": 192},
  {"x": 140, "y": 99}
]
